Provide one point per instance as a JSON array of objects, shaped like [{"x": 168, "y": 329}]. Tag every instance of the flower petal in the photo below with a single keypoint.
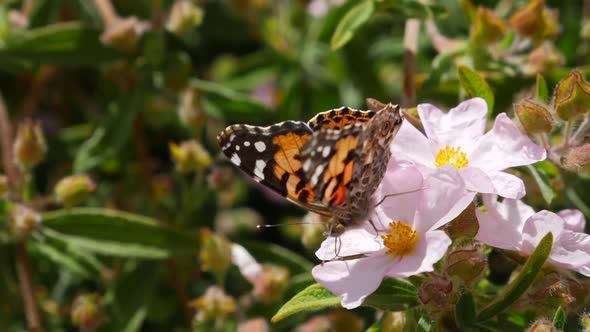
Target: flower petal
[
  {"x": 354, "y": 280},
  {"x": 353, "y": 241},
  {"x": 513, "y": 210},
  {"x": 248, "y": 266},
  {"x": 504, "y": 146},
  {"x": 537, "y": 226},
  {"x": 477, "y": 180},
  {"x": 412, "y": 146},
  {"x": 571, "y": 251},
  {"x": 444, "y": 197},
  {"x": 574, "y": 220},
  {"x": 502, "y": 226},
  {"x": 507, "y": 185},
  {"x": 459, "y": 127},
  {"x": 430, "y": 248},
  {"x": 405, "y": 182}
]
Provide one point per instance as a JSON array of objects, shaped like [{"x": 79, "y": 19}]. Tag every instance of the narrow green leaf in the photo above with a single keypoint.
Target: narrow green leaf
[
  {"x": 465, "y": 313},
  {"x": 522, "y": 281},
  {"x": 352, "y": 20},
  {"x": 108, "y": 139},
  {"x": 62, "y": 258},
  {"x": 559, "y": 318},
  {"x": 476, "y": 86},
  {"x": 543, "y": 183},
  {"x": 393, "y": 295},
  {"x": 577, "y": 201},
  {"x": 314, "y": 297},
  {"x": 542, "y": 92},
  {"x": 417, "y": 9},
  {"x": 117, "y": 233},
  {"x": 272, "y": 253},
  {"x": 377, "y": 326},
  {"x": 68, "y": 44},
  {"x": 425, "y": 325}
]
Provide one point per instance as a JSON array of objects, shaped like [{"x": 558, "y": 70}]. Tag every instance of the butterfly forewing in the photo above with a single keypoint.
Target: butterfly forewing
[{"x": 338, "y": 118}]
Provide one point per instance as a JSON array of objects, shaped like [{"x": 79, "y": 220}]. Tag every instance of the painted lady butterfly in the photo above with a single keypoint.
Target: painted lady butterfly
[{"x": 330, "y": 165}]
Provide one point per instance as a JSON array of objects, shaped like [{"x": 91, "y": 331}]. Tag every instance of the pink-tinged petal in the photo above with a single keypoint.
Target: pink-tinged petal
[
  {"x": 405, "y": 182},
  {"x": 412, "y": 146},
  {"x": 461, "y": 126},
  {"x": 574, "y": 220},
  {"x": 504, "y": 146},
  {"x": 507, "y": 185},
  {"x": 353, "y": 241},
  {"x": 430, "y": 248},
  {"x": 585, "y": 270},
  {"x": 571, "y": 250},
  {"x": 444, "y": 197},
  {"x": 354, "y": 280},
  {"x": 537, "y": 226},
  {"x": 477, "y": 180},
  {"x": 511, "y": 210},
  {"x": 502, "y": 225},
  {"x": 248, "y": 266}
]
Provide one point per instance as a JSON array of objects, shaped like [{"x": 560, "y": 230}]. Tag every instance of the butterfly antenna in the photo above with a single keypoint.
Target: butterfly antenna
[
  {"x": 397, "y": 194},
  {"x": 287, "y": 224}
]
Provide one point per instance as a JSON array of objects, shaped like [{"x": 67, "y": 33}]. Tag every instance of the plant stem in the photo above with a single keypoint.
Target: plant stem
[
  {"x": 567, "y": 133},
  {"x": 23, "y": 267},
  {"x": 411, "y": 32},
  {"x": 107, "y": 12}
]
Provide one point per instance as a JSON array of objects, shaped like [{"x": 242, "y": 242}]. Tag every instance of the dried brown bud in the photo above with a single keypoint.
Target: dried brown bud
[
  {"x": 124, "y": 33},
  {"x": 184, "y": 17},
  {"x": 88, "y": 312},
  {"x": 487, "y": 27},
  {"x": 190, "y": 156},
  {"x": 577, "y": 158},
  {"x": 467, "y": 263},
  {"x": 571, "y": 96},
  {"x": 22, "y": 221},
  {"x": 29, "y": 146},
  {"x": 529, "y": 21},
  {"x": 542, "y": 325},
  {"x": 213, "y": 305},
  {"x": 215, "y": 253},
  {"x": 534, "y": 116}
]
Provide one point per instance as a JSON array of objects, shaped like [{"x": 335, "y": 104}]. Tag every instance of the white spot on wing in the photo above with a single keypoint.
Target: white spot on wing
[
  {"x": 246, "y": 143},
  {"x": 260, "y": 146},
  {"x": 231, "y": 137},
  {"x": 236, "y": 159},
  {"x": 316, "y": 174},
  {"x": 237, "y": 148},
  {"x": 307, "y": 165},
  {"x": 326, "y": 152},
  {"x": 260, "y": 165}
]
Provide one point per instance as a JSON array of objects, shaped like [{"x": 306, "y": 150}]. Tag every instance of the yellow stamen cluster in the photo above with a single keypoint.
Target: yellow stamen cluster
[
  {"x": 451, "y": 156},
  {"x": 400, "y": 240}
]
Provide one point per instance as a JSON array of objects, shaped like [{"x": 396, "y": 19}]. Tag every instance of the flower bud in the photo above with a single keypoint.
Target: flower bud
[
  {"x": 487, "y": 27},
  {"x": 546, "y": 57},
  {"x": 270, "y": 285},
  {"x": 213, "y": 305},
  {"x": 88, "y": 312},
  {"x": 221, "y": 178},
  {"x": 529, "y": 21},
  {"x": 22, "y": 221},
  {"x": 534, "y": 116},
  {"x": 571, "y": 96},
  {"x": 73, "y": 190},
  {"x": 29, "y": 146},
  {"x": 124, "y": 33},
  {"x": 585, "y": 322},
  {"x": 577, "y": 158},
  {"x": 215, "y": 253},
  {"x": 394, "y": 321},
  {"x": 542, "y": 325},
  {"x": 551, "y": 22},
  {"x": 190, "y": 111},
  {"x": 184, "y": 17},
  {"x": 237, "y": 221},
  {"x": 464, "y": 225},
  {"x": 437, "y": 294},
  {"x": 3, "y": 185},
  {"x": 547, "y": 291},
  {"x": 190, "y": 156},
  {"x": 467, "y": 263},
  {"x": 315, "y": 324},
  {"x": 254, "y": 325},
  {"x": 345, "y": 321}
]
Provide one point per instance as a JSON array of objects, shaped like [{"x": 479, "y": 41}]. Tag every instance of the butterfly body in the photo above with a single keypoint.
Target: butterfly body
[{"x": 330, "y": 165}]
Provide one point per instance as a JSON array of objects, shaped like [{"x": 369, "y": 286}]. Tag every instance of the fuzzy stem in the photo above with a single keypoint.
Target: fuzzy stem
[
  {"x": 107, "y": 12},
  {"x": 567, "y": 133},
  {"x": 23, "y": 267},
  {"x": 582, "y": 129},
  {"x": 411, "y": 33}
]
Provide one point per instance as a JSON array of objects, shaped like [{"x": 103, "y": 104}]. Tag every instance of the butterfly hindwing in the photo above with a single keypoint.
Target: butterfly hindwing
[{"x": 338, "y": 118}]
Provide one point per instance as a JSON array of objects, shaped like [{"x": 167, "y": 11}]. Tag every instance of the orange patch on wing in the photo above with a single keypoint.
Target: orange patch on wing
[
  {"x": 289, "y": 147},
  {"x": 336, "y": 165},
  {"x": 337, "y": 197}
]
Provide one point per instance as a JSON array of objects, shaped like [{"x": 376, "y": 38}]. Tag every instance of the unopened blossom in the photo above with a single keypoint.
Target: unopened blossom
[
  {"x": 513, "y": 225},
  {"x": 457, "y": 138},
  {"x": 403, "y": 239}
]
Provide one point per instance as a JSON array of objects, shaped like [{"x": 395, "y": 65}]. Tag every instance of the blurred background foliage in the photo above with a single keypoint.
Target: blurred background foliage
[{"x": 130, "y": 95}]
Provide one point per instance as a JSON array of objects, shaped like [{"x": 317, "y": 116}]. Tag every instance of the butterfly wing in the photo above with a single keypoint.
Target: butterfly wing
[
  {"x": 338, "y": 118},
  {"x": 271, "y": 155}
]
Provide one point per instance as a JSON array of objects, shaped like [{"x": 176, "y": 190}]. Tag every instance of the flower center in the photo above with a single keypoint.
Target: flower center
[
  {"x": 400, "y": 239},
  {"x": 451, "y": 156}
]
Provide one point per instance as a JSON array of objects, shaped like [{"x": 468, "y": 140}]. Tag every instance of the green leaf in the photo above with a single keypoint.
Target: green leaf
[
  {"x": 272, "y": 253},
  {"x": 522, "y": 281},
  {"x": 117, "y": 233},
  {"x": 559, "y": 318},
  {"x": 393, "y": 295},
  {"x": 417, "y": 9},
  {"x": 476, "y": 86},
  {"x": 577, "y": 201},
  {"x": 68, "y": 44},
  {"x": 62, "y": 258},
  {"x": 314, "y": 297},
  {"x": 543, "y": 183},
  {"x": 109, "y": 138},
  {"x": 542, "y": 92},
  {"x": 465, "y": 313},
  {"x": 425, "y": 325},
  {"x": 352, "y": 21}
]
